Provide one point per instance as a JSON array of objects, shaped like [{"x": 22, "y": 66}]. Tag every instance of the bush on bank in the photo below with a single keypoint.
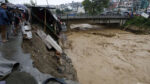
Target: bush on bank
[{"x": 138, "y": 21}]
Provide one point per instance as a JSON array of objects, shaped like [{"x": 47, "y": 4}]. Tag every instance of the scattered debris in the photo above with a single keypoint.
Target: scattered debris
[
  {"x": 26, "y": 30},
  {"x": 144, "y": 15},
  {"x": 104, "y": 34},
  {"x": 49, "y": 41},
  {"x": 47, "y": 61},
  {"x": 83, "y": 26}
]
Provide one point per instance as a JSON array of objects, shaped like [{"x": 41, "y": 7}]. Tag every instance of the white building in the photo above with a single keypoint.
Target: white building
[
  {"x": 81, "y": 9},
  {"x": 126, "y": 5},
  {"x": 75, "y": 7},
  {"x": 2, "y": 1}
]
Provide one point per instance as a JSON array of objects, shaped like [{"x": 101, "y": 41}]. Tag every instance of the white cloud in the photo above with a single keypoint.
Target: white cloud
[{"x": 43, "y": 2}]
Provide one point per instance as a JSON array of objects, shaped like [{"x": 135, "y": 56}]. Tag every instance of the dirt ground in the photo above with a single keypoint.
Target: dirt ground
[
  {"x": 46, "y": 60},
  {"x": 110, "y": 56}
]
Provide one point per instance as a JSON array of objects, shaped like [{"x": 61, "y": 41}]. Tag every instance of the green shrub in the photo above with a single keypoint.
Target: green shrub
[{"x": 138, "y": 21}]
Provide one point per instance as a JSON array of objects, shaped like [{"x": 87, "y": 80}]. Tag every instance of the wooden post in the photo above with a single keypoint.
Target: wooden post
[
  {"x": 45, "y": 22},
  {"x": 55, "y": 28}
]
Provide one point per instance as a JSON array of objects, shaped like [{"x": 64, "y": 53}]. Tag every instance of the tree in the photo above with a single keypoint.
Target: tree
[
  {"x": 59, "y": 12},
  {"x": 6, "y": 1},
  {"x": 144, "y": 4},
  {"x": 95, "y": 6},
  {"x": 87, "y": 6},
  {"x": 67, "y": 10}
]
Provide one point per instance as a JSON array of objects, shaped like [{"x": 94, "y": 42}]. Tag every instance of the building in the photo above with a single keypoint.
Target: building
[
  {"x": 129, "y": 5},
  {"x": 75, "y": 7},
  {"x": 2, "y": 1}
]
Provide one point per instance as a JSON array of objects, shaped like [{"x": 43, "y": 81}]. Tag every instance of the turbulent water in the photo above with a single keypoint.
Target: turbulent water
[{"x": 110, "y": 56}]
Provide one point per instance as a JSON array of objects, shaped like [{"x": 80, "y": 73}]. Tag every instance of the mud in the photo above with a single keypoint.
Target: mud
[
  {"x": 137, "y": 30},
  {"x": 46, "y": 60},
  {"x": 110, "y": 56}
]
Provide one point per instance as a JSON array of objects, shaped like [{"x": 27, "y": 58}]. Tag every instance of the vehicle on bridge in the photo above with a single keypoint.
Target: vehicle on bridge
[{"x": 115, "y": 13}]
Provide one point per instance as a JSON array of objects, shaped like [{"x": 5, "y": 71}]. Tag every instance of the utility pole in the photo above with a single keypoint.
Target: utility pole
[
  {"x": 135, "y": 5},
  {"x": 47, "y": 2},
  {"x": 120, "y": 2},
  {"x": 36, "y": 2}
]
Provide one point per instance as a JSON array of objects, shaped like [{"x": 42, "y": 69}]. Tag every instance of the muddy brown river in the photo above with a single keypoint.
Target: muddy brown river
[{"x": 110, "y": 56}]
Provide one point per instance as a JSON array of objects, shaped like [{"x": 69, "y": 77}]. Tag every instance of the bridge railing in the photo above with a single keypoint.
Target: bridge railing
[{"x": 91, "y": 17}]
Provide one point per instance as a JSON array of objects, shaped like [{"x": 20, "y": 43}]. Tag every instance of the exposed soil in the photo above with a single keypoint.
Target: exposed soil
[
  {"x": 110, "y": 56},
  {"x": 137, "y": 30},
  {"x": 46, "y": 60}
]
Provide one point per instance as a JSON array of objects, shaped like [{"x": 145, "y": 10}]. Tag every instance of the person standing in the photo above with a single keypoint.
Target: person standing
[
  {"x": 17, "y": 20},
  {"x": 9, "y": 26},
  {"x": 4, "y": 21}
]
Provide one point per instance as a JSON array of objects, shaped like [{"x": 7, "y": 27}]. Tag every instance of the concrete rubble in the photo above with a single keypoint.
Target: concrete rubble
[
  {"x": 43, "y": 36},
  {"x": 26, "y": 30}
]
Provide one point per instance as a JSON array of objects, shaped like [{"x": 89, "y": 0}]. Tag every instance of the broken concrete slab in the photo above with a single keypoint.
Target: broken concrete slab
[
  {"x": 43, "y": 36},
  {"x": 54, "y": 44},
  {"x": 26, "y": 30},
  {"x": 47, "y": 44}
]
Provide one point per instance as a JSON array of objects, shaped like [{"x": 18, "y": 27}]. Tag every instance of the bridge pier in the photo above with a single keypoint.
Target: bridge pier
[
  {"x": 122, "y": 22},
  {"x": 68, "y": 27}
]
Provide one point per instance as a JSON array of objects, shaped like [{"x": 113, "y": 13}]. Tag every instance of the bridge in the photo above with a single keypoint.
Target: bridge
[{"x": 98, "y": 19}]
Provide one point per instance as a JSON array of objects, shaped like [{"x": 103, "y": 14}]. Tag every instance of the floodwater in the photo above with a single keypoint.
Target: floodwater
[{"x": 110, "y": 56}]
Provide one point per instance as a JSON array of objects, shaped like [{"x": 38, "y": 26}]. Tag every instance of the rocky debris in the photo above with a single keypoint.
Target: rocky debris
[
  {"x": 47, "y": 61},
  {"x": 26, "y": 30}
]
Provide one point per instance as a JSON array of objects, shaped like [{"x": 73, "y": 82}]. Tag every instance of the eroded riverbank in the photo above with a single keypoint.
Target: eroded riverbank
[
  {"x": 110, "y": 56},
  {"x": 47, "y": 61}
]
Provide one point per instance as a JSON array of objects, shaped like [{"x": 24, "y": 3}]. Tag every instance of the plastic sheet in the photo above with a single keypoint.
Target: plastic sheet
[{"x": 6, "y": 66}]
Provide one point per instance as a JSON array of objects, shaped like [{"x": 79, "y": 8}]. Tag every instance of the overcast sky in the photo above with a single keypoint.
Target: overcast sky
[{"x": 43, "y": 2}]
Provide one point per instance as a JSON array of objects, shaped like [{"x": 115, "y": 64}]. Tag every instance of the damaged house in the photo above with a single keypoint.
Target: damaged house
[{"x": 49, "y": 22}]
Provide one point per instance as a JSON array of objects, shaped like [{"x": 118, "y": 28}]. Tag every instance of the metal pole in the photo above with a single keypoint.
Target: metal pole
[
  {"x": 68, "y": 22},
  {"x": 45, "y": 21},
  {"x": 47, "y": 2},
  {"x": 35, "y": 2}
]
